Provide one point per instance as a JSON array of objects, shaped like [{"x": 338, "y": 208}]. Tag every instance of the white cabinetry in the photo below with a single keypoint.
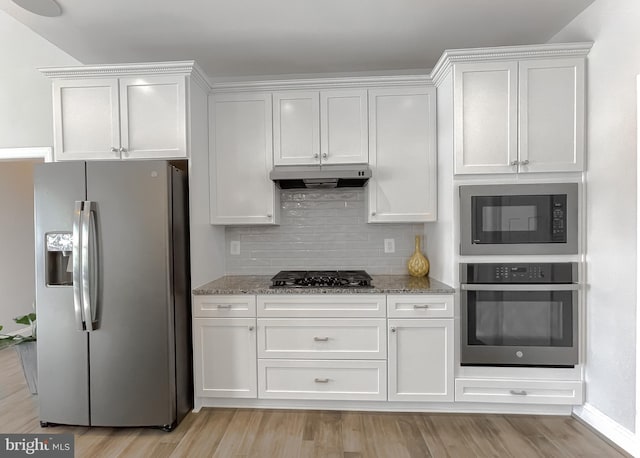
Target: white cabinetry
[
  {"x": 224, "y": 347},
  {"x": 522, "y": 116},
  {"x": 136, "y": 111},
  {"x": 517, "y": 391},
  {"x": 402, "y": 154},
  {"x": 241, "y": 159},
  {"x": 338, "y": 352},
  {"x": 421, "y": 348},
  {"x": 320, "y": 127}
]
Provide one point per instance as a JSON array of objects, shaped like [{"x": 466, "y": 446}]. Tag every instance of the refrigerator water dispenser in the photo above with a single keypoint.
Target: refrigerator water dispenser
[{"x": 58, "y": 259}]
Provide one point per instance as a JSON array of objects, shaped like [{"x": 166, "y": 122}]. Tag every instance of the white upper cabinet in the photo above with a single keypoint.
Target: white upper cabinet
[
  {"x": 552, "y": 115},
  {"x": 241, "y": 159},
  {"x": 320, "y": 127},
  {"x": 402, "y": 154},
  {"x": 344, "y": 127},
  {"x": 86, "y": 119},
  {"x": 486, "y": 117},
  {"x": 153, "y": 117},
  {"x": 122, "y": 111},
  {"x": 519, "y": 116}
]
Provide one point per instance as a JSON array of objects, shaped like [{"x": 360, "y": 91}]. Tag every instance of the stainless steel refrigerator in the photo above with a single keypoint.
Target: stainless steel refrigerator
[{"x": 112, "y": 293}]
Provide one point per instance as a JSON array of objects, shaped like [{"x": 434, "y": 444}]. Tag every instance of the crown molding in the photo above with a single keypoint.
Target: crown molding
[
  {"x": 322, "y": 83},
  {"x": 187, "y": 67},
  {"x": 452, "y": 56}
]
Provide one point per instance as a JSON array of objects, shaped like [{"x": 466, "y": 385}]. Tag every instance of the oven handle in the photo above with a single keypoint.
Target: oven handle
[{"x": 536, "y": 287}]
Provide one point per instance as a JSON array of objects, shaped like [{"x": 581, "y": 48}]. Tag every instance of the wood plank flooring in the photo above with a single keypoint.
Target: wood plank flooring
[{"x": 288, "y": 433}]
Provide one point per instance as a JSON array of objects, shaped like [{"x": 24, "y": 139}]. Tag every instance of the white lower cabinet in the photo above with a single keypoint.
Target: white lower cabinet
[
  {"x": 421, "y": 360},
  {"x": 224, "y": 351},
  {"x": 322, "y": 379},
  {"x": 520, "y": 391}
]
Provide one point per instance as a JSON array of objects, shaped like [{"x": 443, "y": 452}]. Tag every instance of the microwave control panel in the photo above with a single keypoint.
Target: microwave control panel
[{"x": 559, "y": 219}]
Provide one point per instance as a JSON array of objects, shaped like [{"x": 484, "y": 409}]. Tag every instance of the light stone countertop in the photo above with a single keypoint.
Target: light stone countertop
[{"x": 382, "y": 284}]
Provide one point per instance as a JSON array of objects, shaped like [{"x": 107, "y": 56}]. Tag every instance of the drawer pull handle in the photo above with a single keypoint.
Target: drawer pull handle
[
  {"x": 420, "y": 306},
  {"x": 321, "y": 380},
  {"x": 224, "y": 306},
  {"x": 321, "y": 339},
  {"x": 518, "y": 393}
]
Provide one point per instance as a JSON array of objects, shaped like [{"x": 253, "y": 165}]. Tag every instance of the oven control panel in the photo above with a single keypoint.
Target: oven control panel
[{"x": 491, "y": 273}]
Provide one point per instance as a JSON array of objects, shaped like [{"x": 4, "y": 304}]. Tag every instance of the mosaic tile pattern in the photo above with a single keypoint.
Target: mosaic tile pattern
[{"x": 321, "y": 229}]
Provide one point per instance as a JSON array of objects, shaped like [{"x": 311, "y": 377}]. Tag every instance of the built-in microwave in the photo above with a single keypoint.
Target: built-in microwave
[{"x": 519, "y": 219}]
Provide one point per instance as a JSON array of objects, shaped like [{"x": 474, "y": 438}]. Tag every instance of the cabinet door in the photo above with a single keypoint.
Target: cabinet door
[
  {"x": 485, "y": 114},
  {"x": 551, "y": 110},
  {"x": 241, "y": 159},
  {"x": 402, "y": 155},
  {"x": 85, "y": 119},
  {"x": 421, "y": 360},
  {"x": 225, "y": 363},
  {"x": 153, "y": 117},
  {"x": 344, "y": 127},
  {"x": 296, "y": 127}
]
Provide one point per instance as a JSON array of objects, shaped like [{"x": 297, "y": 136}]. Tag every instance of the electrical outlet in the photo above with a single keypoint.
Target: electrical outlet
[
  {"x": 235, "y": 247},
  {"x": 389, "y": 245}
]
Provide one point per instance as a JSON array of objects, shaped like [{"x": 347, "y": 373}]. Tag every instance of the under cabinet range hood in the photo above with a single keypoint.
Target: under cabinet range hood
[{"x": 320, "y": 176}]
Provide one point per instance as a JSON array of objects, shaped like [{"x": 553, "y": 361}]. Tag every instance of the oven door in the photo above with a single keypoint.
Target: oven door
[{"x": 519, "y": 325}]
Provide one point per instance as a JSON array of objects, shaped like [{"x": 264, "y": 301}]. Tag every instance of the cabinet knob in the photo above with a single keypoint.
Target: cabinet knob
[
  {"x": 269, "y": 215},
  {"x": 514, "y": 163},
  {"x": 123, "y": 150},
  {"x": 393, "y": 329},
  {"x": 525, "y": 162},
  {"x": 373, "y": 213},
  {"x": 316, "y": 156},
  {"x": 325, "y": 155},
  {"x": 114, "y": 149},
  {"x": 251, "y": 328}
]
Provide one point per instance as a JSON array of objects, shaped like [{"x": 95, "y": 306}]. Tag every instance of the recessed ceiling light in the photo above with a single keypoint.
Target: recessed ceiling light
[{"x": 47, "y": 8}]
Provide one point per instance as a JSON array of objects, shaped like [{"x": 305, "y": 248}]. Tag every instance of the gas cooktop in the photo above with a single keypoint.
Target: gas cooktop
[{"x": 321, "y": 279}]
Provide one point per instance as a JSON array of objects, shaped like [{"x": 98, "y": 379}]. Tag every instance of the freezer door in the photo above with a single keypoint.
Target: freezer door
[
  {"x": 132, "y": 361},
  {"x": 63, "y": 361}
]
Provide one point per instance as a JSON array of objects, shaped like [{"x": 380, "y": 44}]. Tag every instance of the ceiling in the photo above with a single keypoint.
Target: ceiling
[{"x": 247, "y": 38}]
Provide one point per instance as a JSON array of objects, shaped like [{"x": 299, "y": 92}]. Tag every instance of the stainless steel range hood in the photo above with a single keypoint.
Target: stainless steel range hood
[{"x": 320, "y": 176}]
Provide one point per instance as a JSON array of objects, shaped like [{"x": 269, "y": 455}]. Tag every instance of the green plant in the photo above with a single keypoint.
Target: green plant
[{"x": 12, "y": 339}]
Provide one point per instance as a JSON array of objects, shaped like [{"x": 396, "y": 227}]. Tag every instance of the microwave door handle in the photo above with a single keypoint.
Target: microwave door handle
[
  {"x": 521, "y": 287},
  {"x": 77, "y": 265}
]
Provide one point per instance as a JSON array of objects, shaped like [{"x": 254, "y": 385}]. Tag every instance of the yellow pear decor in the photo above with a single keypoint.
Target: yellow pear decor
[{"x": 418, "y": 263}]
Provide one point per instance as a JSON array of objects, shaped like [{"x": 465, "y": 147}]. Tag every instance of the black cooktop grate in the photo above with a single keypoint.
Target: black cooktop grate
[{"x": 321, "y": 279}]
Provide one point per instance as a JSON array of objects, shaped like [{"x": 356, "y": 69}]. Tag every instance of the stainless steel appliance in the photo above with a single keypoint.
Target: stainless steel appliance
[
  {"x": 518, "y": 314},
  {"x": 320, "y": 176},
  {"x": 321, "y": 279},
  {"x": 519, "y": 219},
  {"x": 112, "y": 293}
]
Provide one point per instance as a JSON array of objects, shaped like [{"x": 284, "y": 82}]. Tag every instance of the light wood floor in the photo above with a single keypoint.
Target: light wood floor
[{"x": 288, "y": 433}]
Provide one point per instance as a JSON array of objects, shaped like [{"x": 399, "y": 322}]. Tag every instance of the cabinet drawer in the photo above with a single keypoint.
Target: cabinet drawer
[
  {"x": 322, "y": 338},
  {"x": 520, "y": 391},
  {"x": 348, "y": 380},
  {"x": 420, "y": 306},
  {"x": 222, "y": 306},
  {"x": 321, "y": 305}
]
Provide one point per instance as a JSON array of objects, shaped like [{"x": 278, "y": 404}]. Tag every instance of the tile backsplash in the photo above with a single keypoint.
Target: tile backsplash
[{"x": 321, "y": 229}]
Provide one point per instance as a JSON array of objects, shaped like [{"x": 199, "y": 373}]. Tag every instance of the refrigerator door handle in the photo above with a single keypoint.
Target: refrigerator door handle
[
  {"x": 77, "y": 268},
  {"x": 88, "y": 264}
]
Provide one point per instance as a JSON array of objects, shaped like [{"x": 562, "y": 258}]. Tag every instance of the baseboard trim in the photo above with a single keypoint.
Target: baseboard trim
[{"x": 616, "y": 433}]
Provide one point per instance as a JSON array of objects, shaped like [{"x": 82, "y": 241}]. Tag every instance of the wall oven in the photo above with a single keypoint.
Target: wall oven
[
  {"x": 519, "y": 219},
  {"x": 519, "y": 314}
]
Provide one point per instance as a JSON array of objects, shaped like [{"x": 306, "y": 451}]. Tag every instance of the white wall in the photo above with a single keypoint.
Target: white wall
[
  {"x": 25, "y": 94},
  {"x": 17, "y": 263},
  {"x": 613, "y": 64}
]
